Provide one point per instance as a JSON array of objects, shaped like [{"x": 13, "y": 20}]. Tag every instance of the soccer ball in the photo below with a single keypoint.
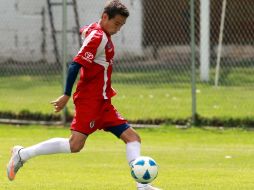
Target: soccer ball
[{"x": 144, "y": 169}]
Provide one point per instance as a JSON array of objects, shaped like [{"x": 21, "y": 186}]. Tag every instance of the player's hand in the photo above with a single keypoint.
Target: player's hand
[{"x": 60, "y": 102}]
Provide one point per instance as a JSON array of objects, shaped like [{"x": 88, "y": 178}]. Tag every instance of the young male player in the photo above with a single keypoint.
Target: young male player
[{"x": 92, "y": 99}]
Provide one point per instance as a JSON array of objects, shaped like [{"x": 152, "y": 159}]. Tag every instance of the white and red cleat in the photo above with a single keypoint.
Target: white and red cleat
[{"x": 15, "y": 163}]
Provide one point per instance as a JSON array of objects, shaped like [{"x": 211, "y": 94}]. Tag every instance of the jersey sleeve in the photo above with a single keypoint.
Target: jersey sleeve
[
  {"x": 71, "y": 77},
  {"x": 87, "y": 52}
]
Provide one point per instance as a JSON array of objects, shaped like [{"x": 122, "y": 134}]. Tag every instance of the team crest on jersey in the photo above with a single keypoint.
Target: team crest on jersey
[
  {"x": 89, "y": 55},
  {"x": 92, "y": 124}
]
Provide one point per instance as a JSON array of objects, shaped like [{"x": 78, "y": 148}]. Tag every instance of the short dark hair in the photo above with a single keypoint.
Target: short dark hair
[{"x": 115, "y": 7}]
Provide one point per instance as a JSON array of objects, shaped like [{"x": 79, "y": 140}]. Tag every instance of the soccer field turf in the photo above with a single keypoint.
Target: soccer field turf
[{"x": 189, "y": 159}]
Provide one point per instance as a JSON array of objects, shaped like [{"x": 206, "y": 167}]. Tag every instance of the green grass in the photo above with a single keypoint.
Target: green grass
[
  {"x": 32, "y": 93},
  {"x": 158, "y": 94},
  {"x": 234, "y": 102},
  {"x": 189, "y": 159}
]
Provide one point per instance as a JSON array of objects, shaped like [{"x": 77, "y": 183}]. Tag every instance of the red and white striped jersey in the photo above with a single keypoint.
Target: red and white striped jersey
[{"x": 96, "y": 57}]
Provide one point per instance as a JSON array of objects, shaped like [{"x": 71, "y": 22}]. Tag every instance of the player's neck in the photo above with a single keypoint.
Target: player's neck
[{"x": 102, "y": 26}]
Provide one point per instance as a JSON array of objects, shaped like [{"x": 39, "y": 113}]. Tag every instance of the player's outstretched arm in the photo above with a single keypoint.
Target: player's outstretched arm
[{"x": 60, "y": 102}]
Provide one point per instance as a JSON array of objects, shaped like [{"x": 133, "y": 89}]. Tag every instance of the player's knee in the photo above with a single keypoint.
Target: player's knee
[
  {"x": 132, "y": 138},
  {"x": 77, "y": 141},
  {"x": 130, "y": 135},
  {"x": 137, "y": 138},
  {"x": 76, "y": 147}
]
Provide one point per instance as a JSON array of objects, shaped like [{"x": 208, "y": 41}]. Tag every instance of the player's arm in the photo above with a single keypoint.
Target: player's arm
[
  {"x": 84, "y": 58},
  {"x": 73, "y": 71}
]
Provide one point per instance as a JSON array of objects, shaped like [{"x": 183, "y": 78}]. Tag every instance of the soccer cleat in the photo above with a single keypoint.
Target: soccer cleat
[
  {"x": 148, "y": 187},
  {"x": 15, "y": 163}
]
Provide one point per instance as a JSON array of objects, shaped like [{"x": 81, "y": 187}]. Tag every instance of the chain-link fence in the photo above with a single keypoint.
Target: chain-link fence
[
  {"x": 152, "y": 69},
  {"x": 229, "y": 88}
]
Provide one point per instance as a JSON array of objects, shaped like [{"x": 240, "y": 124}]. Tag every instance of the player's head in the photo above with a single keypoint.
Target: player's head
[{"x": 114, "y": 16}]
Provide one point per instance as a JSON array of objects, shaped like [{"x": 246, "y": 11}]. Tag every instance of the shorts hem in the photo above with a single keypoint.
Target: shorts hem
[{"x": 80, "y": 132}]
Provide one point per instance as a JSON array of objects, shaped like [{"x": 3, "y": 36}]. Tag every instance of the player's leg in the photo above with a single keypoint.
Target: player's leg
[
  {"x": 77, "y": 141},
  {"x": 79, "y": 133},
  {"x": 85, "y": 114},
  {"x": 117, "y": 125},
  {"x": 130, "y": 137},
  {"x": 133, "y": 145},
  {"x": 133, "y": 141},
  {"x": 52, "y": 146}
]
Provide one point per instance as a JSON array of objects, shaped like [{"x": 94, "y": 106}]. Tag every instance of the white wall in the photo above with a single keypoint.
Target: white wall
[{"x": 21, "y": 21}]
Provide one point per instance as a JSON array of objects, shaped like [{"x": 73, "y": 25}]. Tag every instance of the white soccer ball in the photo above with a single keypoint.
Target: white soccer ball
[{"x": 144, "y": 169}]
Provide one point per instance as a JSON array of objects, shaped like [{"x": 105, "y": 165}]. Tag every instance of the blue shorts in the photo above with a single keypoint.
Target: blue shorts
[{"x": 117, "y": 130}]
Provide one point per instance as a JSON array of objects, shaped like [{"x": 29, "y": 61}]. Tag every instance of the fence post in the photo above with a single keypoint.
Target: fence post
[
  {"x": 204, "y": 40},
  {"x": 64, "y": 52},
  {"x": 193, "y": 56}
]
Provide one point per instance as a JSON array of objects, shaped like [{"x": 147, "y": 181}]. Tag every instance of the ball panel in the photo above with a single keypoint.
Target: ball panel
[
  {"x": 133, "y": 175},
  {"x": 140, "y": 163},
  {"x": 152, "y": 162},
  {"x": 147, "y": 175}
]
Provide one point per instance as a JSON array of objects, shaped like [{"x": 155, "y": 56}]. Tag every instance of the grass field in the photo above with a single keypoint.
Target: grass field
[
  {"x": 189, "y": 159},
  {"x": 141, "y": 95}
]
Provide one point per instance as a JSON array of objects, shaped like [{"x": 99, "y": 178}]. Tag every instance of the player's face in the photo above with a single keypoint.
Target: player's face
[{"x": 113, "y": 25}]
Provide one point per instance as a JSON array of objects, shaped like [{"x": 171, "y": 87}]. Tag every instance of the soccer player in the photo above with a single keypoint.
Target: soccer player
[{"x": 92, "y": 99}]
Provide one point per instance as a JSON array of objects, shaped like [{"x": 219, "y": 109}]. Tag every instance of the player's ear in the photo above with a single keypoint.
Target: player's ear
[{"x": 104, "y": 17}]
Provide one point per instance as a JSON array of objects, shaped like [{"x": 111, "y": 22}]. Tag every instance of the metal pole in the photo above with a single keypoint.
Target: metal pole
[
  {"x": 193, "y": 66},
  {"x": 217, "y": 70},
  {"x": 64, "y": 52},
  {"x": 204, "y": 40}
]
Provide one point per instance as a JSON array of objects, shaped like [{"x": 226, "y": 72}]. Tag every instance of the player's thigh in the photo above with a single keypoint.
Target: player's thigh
[{"x": 130, "y": 135}]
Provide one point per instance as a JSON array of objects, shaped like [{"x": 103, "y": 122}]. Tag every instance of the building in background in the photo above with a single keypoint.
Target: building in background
[{"x": 26, "y": 31}]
